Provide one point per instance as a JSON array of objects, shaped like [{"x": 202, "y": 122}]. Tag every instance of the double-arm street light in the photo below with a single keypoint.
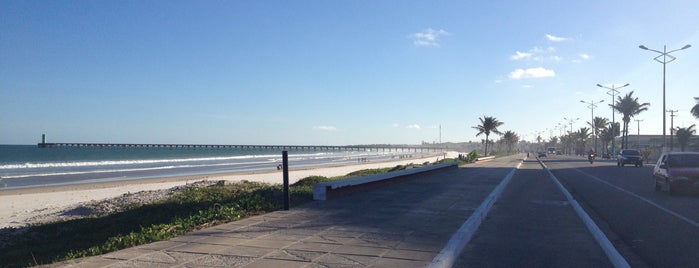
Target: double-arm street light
[
  {"x": 570, "y": 121},
  {"x": 664, "y": 58},
  {"x": 592, "y": 105},
  {"x": 612, "y": 92}
]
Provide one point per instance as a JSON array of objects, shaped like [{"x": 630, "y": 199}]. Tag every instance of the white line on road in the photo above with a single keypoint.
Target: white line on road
[
  {"x": 612, "y": 254},
  {"x": 691, "y": 222},
  {"x": 458, "y": 241}
]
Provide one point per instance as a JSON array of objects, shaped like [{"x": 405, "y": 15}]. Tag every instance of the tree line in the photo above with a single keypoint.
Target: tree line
[{"x": 601, "y": 128}]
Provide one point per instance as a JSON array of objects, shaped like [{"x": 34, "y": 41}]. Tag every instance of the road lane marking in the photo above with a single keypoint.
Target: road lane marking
[
  {"x": 612, "y": 254},
  {"x": 687, "y": 220},
  {"x": 458, "y": 241}
]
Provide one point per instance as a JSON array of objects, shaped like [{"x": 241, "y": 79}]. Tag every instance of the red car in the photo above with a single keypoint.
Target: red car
[{"x": 677, "y": 171}]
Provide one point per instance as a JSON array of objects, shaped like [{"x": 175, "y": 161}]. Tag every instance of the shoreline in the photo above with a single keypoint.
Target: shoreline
[{"x": 18, "y": 206}]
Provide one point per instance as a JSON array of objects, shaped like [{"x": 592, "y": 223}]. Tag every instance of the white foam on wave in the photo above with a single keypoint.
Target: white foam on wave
[{"x": 125, "y": 162}]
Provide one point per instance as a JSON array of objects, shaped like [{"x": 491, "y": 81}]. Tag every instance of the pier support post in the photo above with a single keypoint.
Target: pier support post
[{"x": 285, "y": 168}]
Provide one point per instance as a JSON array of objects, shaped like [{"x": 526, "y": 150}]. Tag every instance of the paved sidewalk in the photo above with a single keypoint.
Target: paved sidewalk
[{"x": 404, "y": 224}]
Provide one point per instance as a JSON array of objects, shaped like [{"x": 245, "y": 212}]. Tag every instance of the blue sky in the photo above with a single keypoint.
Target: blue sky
[{"x": 332, "y": 72}]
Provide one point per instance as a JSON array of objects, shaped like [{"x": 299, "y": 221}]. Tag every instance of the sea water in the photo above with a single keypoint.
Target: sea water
[{"x": 23, "y": 166}]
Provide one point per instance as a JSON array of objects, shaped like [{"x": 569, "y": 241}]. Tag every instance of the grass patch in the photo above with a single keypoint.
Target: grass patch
[{"x": 185, "y": 211}]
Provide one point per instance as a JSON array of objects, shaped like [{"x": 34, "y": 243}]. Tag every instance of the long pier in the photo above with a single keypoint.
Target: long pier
[{"x": 377, "y": 148}]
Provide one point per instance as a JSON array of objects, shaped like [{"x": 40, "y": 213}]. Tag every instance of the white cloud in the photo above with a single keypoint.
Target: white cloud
[
  {"x": 539, "y": 72},
  {"x": 520, "y": 55},
  {"x": 413, "y": 126},
  {"x": 428, "y": 37},
  {"x": 554, "y": 38},
  {"x": 581, "y": 57},
  {"x": 326, "y": 128}
]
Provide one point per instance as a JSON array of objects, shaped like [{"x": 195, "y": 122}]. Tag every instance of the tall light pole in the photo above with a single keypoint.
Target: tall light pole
[
  {"x": 592, "y": 105},
  {"x": 638, "y": 136},
  {"x": 664, "y": 58},
  {"x": 613, "y": 91},
  {"x": 570, "y": 121}
]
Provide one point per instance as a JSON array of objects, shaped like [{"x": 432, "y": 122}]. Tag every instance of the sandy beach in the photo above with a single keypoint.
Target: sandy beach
[{"x": 19, "y": 207}]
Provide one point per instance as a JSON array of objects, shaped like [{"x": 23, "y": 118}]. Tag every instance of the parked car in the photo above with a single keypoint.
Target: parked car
[
  {"x": 541, "y": 154},
  {"x": 629, "y": 156},
  {"x": 677, "y": 171}
]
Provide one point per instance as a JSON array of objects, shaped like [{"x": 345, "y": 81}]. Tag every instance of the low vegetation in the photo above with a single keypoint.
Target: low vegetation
[{"x": 186, "y": 210}]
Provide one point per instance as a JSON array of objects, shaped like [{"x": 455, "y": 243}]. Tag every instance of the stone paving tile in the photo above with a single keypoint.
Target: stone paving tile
[
  {"x": 294, "y": 255},
  {"x": 360, "y": 250},
  {"x": 160, "y": 245},
  {"x": 187, "y": 238},
  {"x": 127, "y": 254},
  {"x": 170, "y": 257},
  {"x": 282, "y": 235},
  {"x": 262, "y": 243},
  {"x": 410, "y": 255},
  {"x": 139, "y": 263},
  {"x": 216, "y": 260},
  {"x": 310, "y": 246},
  {"x": 221, "y": 240},
  {"x": 246, "y": 251},
  {"x": 386, "y": 262},
  {"x": 198, "y": 248},
  {"x": 267, "y": 263},
  {"x": 329, "y": 239},
  {"x": 96, "y": 261},
  {"x": 345, "y": 260}
]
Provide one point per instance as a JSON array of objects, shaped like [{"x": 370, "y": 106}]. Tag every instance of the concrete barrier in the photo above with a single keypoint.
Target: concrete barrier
[
  {"x": 321, "y": 190},
  {"x": 485, "y": 158}
]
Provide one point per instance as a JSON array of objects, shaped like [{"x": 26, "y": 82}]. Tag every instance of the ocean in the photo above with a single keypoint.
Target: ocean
[{"x": 23, "y": 166}]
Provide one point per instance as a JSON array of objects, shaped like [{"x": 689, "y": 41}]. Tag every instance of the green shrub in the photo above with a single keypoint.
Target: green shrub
[{"x": 472, "y": 156}]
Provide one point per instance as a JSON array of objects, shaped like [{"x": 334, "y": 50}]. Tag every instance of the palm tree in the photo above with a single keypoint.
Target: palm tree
[
  {"x": 695, "y": 109},
  {"x": 683, "y": 135},
  {"x": 597, "y": 125},
  {"x": 580, "y": 137},
  {"x": 488, "y": 124},
  {"x": 629, "y": 107},
  {"x": 510, "y": 138},
  {"x": 608, "y": 133}
]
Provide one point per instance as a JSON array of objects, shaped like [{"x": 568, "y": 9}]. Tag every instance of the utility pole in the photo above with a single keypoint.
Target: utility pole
[
  {"x": 672, "y": 127},
  {"x": 638, "y": 135}
]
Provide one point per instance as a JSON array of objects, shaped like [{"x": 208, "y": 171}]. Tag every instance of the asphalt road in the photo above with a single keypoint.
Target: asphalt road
[
  {"x": 649, "y": 228},
  {"x": 532, "y": 225}
]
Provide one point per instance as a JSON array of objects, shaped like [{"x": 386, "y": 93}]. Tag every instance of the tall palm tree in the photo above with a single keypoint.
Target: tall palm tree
[
  {"x": 629, "y": 107},
  {"x": 581, "y": 136},
  {"x": 608, "y": 133},
  {"x": 597, "y": 125},
  {"x": 683, "y": 135},
  {"x": 695, "y": 109},
  {"x": 510, "y": 138},
  {"x": 488, "y": 125}
]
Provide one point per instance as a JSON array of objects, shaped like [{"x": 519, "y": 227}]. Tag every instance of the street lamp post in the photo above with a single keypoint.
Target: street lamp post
[
  {"x": 570, "y": 121},
  {"x": 592, "y": 105},
  {"x": 613, "y": 91},
  {"x": 638, "y": 135},
  {"x": 664, "y": 58}
]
